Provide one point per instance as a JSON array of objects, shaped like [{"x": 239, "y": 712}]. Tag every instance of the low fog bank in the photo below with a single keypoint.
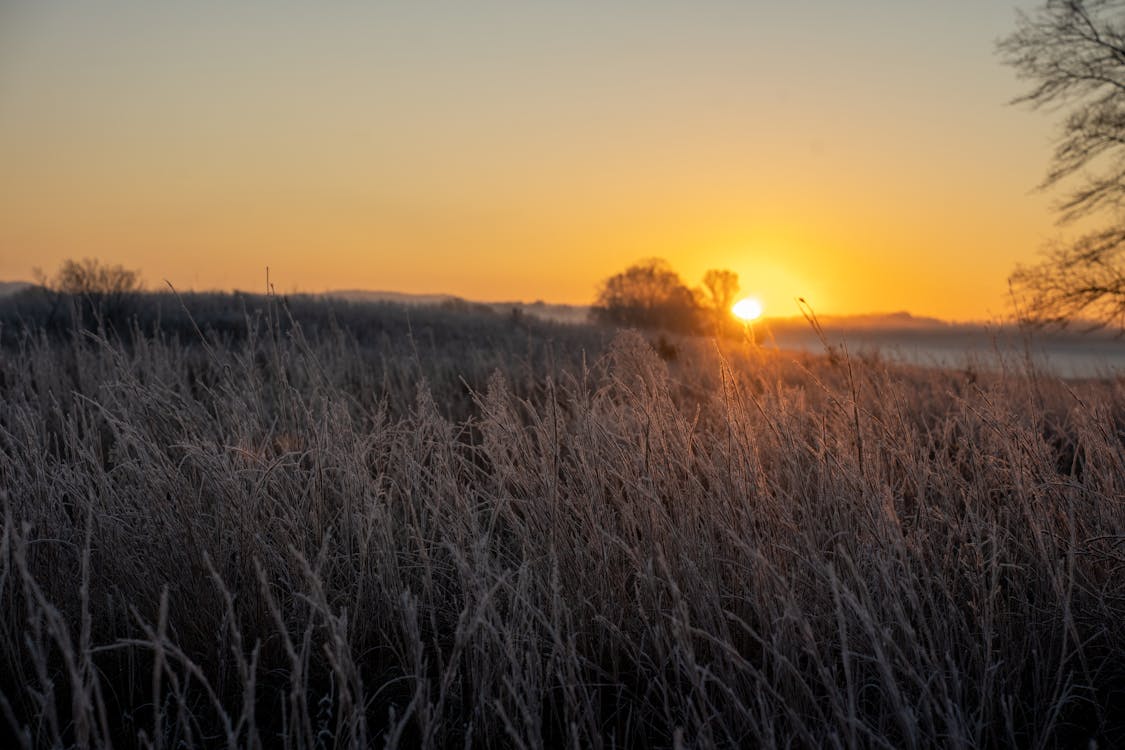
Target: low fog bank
[{"x": 1074, "y": 352}]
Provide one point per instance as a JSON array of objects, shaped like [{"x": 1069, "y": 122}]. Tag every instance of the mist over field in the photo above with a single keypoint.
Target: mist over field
[{"x": 1067, "y": 354}]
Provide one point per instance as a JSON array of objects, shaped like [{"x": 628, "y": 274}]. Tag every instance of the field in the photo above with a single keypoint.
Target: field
[{"x": 240, "y": 522}]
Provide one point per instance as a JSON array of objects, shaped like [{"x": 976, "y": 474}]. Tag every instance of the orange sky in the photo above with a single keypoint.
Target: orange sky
[{"x": 861, "y": 155}]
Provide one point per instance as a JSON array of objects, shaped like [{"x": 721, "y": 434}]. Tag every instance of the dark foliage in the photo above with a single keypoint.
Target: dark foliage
[{"x": 649, "y": 294}]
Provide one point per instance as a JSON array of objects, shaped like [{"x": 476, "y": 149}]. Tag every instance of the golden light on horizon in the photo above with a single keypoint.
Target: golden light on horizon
[
  {"x": 387, "y": 146},
  {"x": 748, "y": 309}
]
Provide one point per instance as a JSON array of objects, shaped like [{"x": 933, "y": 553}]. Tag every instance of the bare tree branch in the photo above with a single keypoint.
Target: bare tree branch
[
  {"x": 1074, "y": 53},
  {"x": 1079, "y": 282}
]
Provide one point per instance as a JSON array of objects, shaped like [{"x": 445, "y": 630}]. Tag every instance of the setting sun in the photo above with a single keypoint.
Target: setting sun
[{"x": 747, "y": 309}]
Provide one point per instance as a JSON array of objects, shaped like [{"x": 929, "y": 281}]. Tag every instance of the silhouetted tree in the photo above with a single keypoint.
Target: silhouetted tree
[
  {"x": 96, "y": 287},
  {"x": 92, "y": 277},
  {"x": 722, "y": 288},
  {"x": 1080, "y": 280},
  {"x": 1074, "y": 53},
  {"x": 649, "y": 294}
]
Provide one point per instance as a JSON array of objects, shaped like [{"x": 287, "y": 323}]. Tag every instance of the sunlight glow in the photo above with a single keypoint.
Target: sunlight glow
[{"x": 747, "y": 309}]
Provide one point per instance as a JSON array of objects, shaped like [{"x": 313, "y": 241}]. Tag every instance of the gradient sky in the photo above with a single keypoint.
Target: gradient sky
[{"x": 860, "y": 154}]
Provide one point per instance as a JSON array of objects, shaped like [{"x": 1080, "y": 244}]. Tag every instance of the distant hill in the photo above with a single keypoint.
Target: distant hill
[
  {"x": 402, "y": 298},
  {"x": 11, "y": 287},
  {"x": 539, "y": 308},
  {"x": 896, "y": 321}
]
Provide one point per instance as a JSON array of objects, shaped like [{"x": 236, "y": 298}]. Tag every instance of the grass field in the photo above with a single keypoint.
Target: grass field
[{"x": 330, "y": 525}]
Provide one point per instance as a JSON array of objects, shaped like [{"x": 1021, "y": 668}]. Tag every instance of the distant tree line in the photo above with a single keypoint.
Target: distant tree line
[
  {"x": 83, "y": 297},
  {"x": 91, "y": 294},
  {"x": 650, "y": 294}
]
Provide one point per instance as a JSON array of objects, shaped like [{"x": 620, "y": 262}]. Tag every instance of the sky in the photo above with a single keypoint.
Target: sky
[{"x": 862, "y": 155}]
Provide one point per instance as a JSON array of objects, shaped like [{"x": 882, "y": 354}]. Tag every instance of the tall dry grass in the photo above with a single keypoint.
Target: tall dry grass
[{"x": 278, "y": 542}]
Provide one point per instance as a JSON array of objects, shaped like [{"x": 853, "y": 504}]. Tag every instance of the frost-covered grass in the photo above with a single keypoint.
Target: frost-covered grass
[{"x": 473, "y": 530}]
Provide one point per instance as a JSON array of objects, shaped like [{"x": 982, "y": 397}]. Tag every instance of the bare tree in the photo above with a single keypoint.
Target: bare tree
[
  {"x": 1073, "y": 52},
  {"x": 89, "y": 276},
  {"x": 1078, "y": 281},
  {"x": 96, "y": 287},
  {"x": 721, "y": 288}
]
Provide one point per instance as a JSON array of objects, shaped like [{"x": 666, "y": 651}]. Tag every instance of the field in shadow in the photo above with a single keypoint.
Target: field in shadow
[{"x": 324, "y": 524}]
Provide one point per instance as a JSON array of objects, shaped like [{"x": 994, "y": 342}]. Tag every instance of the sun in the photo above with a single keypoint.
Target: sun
[{"x": 747, "y": 309}]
